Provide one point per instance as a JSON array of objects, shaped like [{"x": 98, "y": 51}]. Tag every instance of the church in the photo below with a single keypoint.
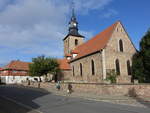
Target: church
[
  {"x": 91, "y": 61},
  {"x": 86, "y": 62}
]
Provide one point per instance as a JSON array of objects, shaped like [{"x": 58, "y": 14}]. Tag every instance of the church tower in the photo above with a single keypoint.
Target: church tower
[{"x": 73, "y": 39}]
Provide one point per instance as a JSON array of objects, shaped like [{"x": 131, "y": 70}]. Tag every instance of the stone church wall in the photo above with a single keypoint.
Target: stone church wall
[
  {"x": 64, "y": 75},
  {"x": 86, "y": 69},
  {"x": 112, "y": 53}
]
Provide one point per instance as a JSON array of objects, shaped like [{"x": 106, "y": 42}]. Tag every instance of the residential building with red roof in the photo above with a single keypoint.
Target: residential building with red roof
[{"x": 15, "y": 72}]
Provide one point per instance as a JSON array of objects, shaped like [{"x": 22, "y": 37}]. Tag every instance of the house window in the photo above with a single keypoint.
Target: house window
[
  {"x": 93, "y": 68},
  {"x": 80, "y": 69},
  {"x": 73, "y": 70},
  {"x": 76, "y": 42},
  {"x": 128, "y": 67},
  {"x": 120, "y": 45},
  {"x": 117, "y": 67}
]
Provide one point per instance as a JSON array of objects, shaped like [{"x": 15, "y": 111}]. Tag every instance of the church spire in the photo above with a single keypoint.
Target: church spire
[
  {"x": 73, "y": 12},
  {"x": 73, "y": 24}
]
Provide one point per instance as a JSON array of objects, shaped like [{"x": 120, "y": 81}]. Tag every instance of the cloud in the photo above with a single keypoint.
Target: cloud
[
  {"x": 3, "y": 3},
  {"x": 109, "y": 13},
  {"x": 29, "y": 24},
  {"x": 33, "y": 27},
  {"x": 85, "y": 6}
]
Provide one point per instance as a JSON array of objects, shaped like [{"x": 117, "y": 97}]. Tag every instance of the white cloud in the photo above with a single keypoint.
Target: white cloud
[
  {"x": 109, "y": 13},
  {"x": 38, "y": 26},
  {"x": 86, "y": 5}
]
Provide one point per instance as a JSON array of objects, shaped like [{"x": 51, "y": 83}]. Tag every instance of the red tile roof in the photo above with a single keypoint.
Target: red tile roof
[
  {"x": 11, "y": 73},
  {"x": 18, "y": 65},
  {"x": 74, "y": 51},
  {"x": 24, "y": 66},
  {"x": 63, "y": 64},
  {"x": 68, "y": 55},
  {"x": 96, "y": 43}
]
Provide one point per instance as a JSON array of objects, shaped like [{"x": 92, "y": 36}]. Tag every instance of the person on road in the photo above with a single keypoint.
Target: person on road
[
  {"x": 69, "y": 91},
  {"x": 58, "y": 85}
]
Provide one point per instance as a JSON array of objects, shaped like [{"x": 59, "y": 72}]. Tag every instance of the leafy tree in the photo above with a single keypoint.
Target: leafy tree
[
  {"x": 137, "y": 68},
  {"x": 141, "y": 60},
  {"x": 42, "y": 66}
]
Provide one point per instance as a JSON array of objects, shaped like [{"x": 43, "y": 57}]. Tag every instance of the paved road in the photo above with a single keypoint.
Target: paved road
[
  {"x": 46, "y": 102},
  {"x": 7, "y": 106}
]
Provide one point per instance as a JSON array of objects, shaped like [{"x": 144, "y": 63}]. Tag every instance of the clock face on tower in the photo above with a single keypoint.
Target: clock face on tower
[{"x": 73, "y": 24}]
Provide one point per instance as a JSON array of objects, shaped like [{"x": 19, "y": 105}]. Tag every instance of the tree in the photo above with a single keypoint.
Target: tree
[
  {"x": 137, "y": 68},
  {"x": 42, "y": 66},
  {"x": 141, "y": 60}
]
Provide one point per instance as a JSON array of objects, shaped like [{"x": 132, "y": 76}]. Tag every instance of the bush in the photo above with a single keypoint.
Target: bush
[{"x": 112, "y": 75}]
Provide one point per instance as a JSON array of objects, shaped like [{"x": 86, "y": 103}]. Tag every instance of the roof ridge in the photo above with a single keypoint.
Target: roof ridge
[
  {"x": 98, "y": 34},
  {"x": 97, "y": 42}
]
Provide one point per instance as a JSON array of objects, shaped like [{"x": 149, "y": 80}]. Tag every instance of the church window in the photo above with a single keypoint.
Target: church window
[
  {"x": 93, "y": 68},
  {"x": 80, "y": 69},
  {"x": 76, "y": 42},
  {"x": 128, "y": 67},
  {"x": 120, "y": 45},
  {"x": 73, "y": 70},
  {"x": 117, "y": 67},
  {"x": 117, "y": 29}
]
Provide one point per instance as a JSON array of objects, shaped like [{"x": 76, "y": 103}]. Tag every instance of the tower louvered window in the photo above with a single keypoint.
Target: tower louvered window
[{"x": 76, "y": 42}]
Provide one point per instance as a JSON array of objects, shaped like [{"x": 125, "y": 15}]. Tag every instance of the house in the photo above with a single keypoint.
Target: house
[
  {"x": 18, "y": 71},
  {"x": 15, "y": 72}
]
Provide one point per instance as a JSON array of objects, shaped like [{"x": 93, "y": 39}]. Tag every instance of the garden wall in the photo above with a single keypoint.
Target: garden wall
[{"x": 106, "y": 89}]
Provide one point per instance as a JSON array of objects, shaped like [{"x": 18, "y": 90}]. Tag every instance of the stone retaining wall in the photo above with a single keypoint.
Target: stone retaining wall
[{"x": 142, "y": 90}]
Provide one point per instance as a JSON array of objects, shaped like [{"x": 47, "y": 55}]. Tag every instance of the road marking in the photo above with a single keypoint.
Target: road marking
[{"x": 21, "y": 104}]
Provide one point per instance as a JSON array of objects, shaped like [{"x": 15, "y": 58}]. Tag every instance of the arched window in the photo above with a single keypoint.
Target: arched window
[
  {"x": 80, "y": 69},
  {"x": 120, "y": 45},
  {"x": 117, "y": 29},
  {"x": 128, "y": 67},
  {"x": 117, "y": 67},
  {"x": 73, "y": 70},
  {"x": 76, "y": 42},
  {"x": 93, "y": 68}
]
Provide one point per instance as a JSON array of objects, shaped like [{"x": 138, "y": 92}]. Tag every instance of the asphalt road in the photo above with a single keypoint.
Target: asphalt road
[
  {"x": 7, "y": 106},
  {"x": 16, "y": 98}
]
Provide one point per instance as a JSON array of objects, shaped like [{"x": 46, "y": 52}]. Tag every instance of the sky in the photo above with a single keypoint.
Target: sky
[{"x": 30, "y": 28}]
